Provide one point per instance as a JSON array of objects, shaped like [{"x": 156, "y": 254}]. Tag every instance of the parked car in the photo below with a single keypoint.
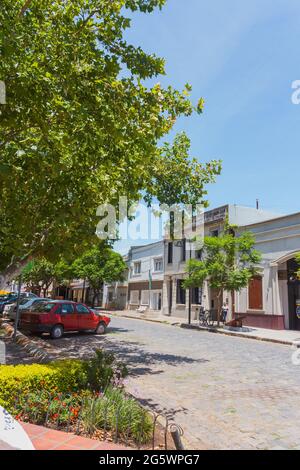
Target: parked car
[
  {"x": 12, "y": 298},
  {"x": 10, "y": 310},
  {"x": 58, "y": 316}
]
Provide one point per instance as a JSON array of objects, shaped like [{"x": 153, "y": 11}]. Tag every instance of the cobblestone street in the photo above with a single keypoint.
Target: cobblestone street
[{"x": 225, "y": 392}]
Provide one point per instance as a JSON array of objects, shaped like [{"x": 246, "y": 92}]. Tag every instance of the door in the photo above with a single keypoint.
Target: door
[
  {"x": 156, "y": 300},
  {"x": 294, "y": 305},
  {"x": 86, "y": 319},
  {"x": 294, "y": 296},
  {"x": 68, "y": 317}
]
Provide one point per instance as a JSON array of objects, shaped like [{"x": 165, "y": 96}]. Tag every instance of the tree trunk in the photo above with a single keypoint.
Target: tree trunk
[
  {"x": 83, "y": 292},
  {"x": 220, "y": 295},
  {"x": 95, "y": 296},
  {"x": 233, "y": 304},
  {"x": 12, "y": 272}
]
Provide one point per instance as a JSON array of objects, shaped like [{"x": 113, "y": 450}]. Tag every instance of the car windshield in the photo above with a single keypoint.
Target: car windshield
[
  {"x": 24, "y": 301},
  {"x": 42, "y": 306}
]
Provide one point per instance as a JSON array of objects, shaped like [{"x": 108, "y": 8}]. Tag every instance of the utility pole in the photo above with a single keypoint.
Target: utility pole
[{"x": 18, "y": 307}]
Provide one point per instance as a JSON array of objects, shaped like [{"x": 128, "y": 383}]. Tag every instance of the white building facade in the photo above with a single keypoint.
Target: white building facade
[
  {"x": 272, "y": 300},
  {"x": 145, "y": 277}
]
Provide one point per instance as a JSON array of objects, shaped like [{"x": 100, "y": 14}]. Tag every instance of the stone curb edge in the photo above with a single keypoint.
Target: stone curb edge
[
  {"x": 238, "y": 335},
  {"x": 25, "y": 343}
]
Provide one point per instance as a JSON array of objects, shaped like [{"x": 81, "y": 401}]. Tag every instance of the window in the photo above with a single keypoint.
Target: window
[
  {"x": 199, "y": 254},
  {"x": 137, "y": 268},
  {"x": 134, "y": 297},
  {"x": 180, "y": 292},
  {"x": 256, "y": 293},
  {"x": 214, "y": 233},
  {"x": 43, "y": 307},
  {"x": 194, "y": 223},
  {"x": 110, "y": 296},
  {"x": 82, "y": 309},
  {"x": 196, "y": 296},
  {"x": 170, "y": 252},
  {"x": 145, "y": 297},
  {"x": 158, "y": 265},
  {"x": 66, "y": 309},
  {"x": 183, "y": 250}
]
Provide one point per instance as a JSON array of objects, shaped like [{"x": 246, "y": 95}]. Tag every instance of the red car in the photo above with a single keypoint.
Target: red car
[{"x": 57, "y": 316}]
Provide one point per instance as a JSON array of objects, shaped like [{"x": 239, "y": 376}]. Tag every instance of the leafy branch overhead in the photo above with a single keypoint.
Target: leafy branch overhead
[{"x": 80, "y": 127}]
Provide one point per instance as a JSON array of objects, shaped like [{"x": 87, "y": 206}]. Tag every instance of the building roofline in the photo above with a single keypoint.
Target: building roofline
[
  {"x": 271, "y": 220},
  {"x": 135, "y": 247}
]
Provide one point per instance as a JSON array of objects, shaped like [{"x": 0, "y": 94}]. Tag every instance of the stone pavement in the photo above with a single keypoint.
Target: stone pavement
[{"x": 225, "y": 392}]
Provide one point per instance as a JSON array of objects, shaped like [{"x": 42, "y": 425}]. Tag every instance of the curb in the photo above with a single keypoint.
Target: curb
[
  {"x": 25, "y": 343},
  {"x": 238, "y": 335}
]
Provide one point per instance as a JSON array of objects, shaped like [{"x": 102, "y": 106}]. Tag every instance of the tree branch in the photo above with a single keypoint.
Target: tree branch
[
  {"x": 87, "y": 20},
  {"x": 24, "y": 8}
]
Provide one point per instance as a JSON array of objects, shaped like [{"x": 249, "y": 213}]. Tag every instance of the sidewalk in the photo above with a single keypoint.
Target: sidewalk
[
  {"x": 288, "y": 337},
  {"x": 50, "y": 439},
  {"x": 152, "y": 317}
]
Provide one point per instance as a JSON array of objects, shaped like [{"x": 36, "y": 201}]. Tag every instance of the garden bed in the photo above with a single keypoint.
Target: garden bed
[{"x": 83, "y": 397}]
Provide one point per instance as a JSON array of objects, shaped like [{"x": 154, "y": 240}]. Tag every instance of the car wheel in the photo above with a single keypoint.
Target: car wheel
[
  {"x": 57, "y": 332},
  {"x": 101, "y": 329}
]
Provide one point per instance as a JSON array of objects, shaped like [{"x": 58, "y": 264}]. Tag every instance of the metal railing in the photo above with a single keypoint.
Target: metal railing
[{"x": 148, "y": 430}]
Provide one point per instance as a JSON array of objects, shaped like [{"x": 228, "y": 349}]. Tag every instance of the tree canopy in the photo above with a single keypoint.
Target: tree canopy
[{"x": 80, "y": 127}]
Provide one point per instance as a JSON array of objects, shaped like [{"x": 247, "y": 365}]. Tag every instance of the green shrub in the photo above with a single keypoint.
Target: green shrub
[
  {"x": 104, "y": 370},
  {"x": 65, "y": 376},
  {"x": 20, "y": 380},
  {"x": 117, "y": 412}
]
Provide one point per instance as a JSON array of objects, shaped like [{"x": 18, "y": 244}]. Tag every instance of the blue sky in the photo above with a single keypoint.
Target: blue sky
[{"x": 241, "y": 57}]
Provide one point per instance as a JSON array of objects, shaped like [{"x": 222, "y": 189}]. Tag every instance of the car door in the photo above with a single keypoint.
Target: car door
[
  {"x": 69, "y": 317},
  {"x": 86, "y": 319}
]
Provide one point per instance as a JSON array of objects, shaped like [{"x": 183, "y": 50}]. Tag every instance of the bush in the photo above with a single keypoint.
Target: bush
[
  {"x": 119, "y": 413},
  {"x": 65, "y": 376},
  {"x": 20, "y": 380},
  {"x": 104, "y": 370}
]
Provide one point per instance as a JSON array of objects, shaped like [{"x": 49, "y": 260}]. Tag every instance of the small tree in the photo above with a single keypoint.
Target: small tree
[
  {"x": 98, "y": 265},
  {"x": 38, "y": 275},
  {"x": 229, "y": 263}
]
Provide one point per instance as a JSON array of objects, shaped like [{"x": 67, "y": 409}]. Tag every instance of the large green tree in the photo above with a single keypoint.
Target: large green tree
[
  {"x": 229, "y": 262},
  {"x": 80, "y": 127},
  {"x": 98, "y": 265}
]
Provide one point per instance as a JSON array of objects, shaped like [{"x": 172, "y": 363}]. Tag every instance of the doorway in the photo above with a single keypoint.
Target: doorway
[
  {"x": 156, "y": 297},
  {"x": 294, "y": 295}
]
